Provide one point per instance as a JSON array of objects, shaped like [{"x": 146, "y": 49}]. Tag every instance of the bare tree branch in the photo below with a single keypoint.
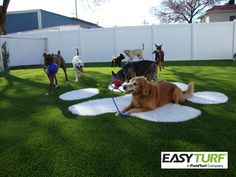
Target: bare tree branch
[
  {"x": 93, "y": 3},
  {"x": 182, "y": 11}
]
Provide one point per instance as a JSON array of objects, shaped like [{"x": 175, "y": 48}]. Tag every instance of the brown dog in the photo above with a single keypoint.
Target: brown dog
[
  {"x": 159, "y": 56},
  {"x": 116, "y": 60},
  {"x": 51, "y": 64},
  {"x": 147, "y": 96}
]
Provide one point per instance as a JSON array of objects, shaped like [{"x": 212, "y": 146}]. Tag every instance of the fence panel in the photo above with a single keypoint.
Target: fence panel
[
  {"x": 130, "y": 38},
  {"x": 213, "y": 41},
  {"x": 25, "y": 51},
  {"x": 66, "y": 42},
  {"x": 180, "y": 42},
  {"x": 97, "y": 45},
  {"x": 176, "y": 40}
]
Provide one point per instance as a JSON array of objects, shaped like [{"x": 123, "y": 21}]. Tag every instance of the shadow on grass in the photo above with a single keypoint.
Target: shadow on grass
[
  {"x": 40, "y": 137},
  {"x": 22, "y": 93}
]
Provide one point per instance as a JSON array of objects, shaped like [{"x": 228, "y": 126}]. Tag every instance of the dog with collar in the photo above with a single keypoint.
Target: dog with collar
[
  {"x": 159, "y": 56},
  {"x": 136, "y": 52},
  {"x": 51, "y": 64},
  {"x": 145, "y": 68},
  {"x": 78, "y": 65}
]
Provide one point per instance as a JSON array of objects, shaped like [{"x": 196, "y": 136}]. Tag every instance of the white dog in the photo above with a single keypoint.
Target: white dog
[
  {"x": 136, "y": 52},
  {"x": 78, "y": 65}
]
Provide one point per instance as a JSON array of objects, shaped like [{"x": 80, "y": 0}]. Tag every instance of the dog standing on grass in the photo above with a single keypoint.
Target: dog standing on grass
[
  {"x": 147, "y": 96},
  {"x": 136, "y": 52},
  {"x": 145, "y": 68},
  {"x": 78, "y": 65},
  {"x": 116, "y": 60},
  {"x": 51, "y": 64},
  {"x": 159, "y": 56}
]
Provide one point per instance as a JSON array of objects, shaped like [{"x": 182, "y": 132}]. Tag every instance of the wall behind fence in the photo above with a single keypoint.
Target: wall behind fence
[{"x": 203, "y": 41}]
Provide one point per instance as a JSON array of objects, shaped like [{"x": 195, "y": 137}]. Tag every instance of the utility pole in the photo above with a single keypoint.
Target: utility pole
[
  {"x": 145, "y": 23},
  {"x": 76, "y": 12}
]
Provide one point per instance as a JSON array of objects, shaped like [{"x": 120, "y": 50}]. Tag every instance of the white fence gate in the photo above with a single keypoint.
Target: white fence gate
[
  {"x": 25, "y": 51},
  {"x": 203, "y": 41}
]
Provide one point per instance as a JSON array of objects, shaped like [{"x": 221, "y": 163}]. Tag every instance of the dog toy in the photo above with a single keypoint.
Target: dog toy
[
  {"x": 116, "y": 82},
  {"x": 51, "y": 69}
]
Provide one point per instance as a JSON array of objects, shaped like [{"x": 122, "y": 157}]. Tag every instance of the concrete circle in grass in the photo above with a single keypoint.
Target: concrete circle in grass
[
  {"x": 79, "y": 94},
  {"x": 208, "y": 97},
  {"x": 181, "y": 85}
]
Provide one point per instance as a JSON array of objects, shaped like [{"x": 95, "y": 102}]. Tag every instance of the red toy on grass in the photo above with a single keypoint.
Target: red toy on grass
[{"x": 116, "y": 82}]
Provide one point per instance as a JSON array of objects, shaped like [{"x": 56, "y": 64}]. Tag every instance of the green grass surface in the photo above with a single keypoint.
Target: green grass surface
[{"x": 40, "y": 137}]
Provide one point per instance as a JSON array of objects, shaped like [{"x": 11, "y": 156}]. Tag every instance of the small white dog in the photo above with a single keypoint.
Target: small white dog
[
  {"x": 136, "y": 52},
  {"x": 78, "y": 65}
]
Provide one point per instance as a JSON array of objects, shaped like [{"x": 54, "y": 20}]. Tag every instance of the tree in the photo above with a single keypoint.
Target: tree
[
  {"x": 90, "y": 4},
  {"x": 182, "y": 11},
  {"x": 95, "y": 2},
  {"x": 3, "y": 11}
]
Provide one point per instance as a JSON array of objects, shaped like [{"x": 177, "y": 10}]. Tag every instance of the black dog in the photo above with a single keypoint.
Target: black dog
[
  {"x": 117, "y": 60},
  {"x": 144, "y": 68}
]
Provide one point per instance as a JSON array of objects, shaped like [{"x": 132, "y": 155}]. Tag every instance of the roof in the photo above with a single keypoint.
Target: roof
[
  {"x": 225, "y": 7},
  {"x": 72, "y": 18},
  {"x": 83, "y": 21}
]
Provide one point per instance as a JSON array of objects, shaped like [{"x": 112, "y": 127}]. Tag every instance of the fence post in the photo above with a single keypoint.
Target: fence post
[
  {"x": 115, "y": 43},
  {"x": 80, "y": 43},
  {"x": 192, "y": 41},
  {"x": 46, "y": 45},
  {"x": 154, "y": 38},
  {"x": 233, "y": 38}
]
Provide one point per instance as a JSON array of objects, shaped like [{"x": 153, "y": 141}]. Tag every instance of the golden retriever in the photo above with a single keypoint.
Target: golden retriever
[{"x": 147, "y": 96}]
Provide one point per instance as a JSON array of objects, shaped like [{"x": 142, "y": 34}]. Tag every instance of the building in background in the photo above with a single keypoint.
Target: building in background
[
  {"x": 222, "y": 13},
  {"x": 19, "y": 21}
]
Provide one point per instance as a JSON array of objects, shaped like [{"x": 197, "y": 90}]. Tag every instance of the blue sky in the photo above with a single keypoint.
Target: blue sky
[{"x": 109, "y": 14}]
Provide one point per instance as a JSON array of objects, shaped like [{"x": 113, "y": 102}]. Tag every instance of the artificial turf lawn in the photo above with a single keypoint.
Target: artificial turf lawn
[{"x": 40, "y": 137}]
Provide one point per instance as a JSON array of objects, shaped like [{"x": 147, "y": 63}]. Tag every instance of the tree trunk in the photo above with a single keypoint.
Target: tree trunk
[{"x": 3, "y": 11}]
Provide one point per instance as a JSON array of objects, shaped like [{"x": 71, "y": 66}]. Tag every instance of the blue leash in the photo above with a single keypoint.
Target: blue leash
[{"x": 113, "y": 99}]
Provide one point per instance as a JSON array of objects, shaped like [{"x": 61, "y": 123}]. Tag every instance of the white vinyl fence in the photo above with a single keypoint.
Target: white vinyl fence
[{"x": 203, "y": 41}]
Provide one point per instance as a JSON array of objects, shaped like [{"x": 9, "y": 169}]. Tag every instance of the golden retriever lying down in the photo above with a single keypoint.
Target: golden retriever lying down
[{"x": 147, "y": 96}]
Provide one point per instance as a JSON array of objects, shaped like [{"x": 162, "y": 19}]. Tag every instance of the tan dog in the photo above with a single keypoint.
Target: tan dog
[
  {"x": 136, "y": 52},
  {"x": 147, "y": 96}
]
